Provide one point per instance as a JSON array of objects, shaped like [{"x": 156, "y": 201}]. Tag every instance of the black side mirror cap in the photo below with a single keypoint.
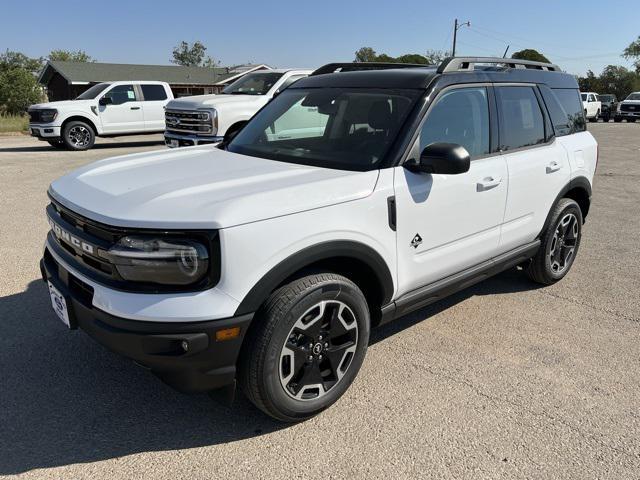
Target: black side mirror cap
[
  {"x": 442, "y": 158},
  {"x": 105, "y": 101}
]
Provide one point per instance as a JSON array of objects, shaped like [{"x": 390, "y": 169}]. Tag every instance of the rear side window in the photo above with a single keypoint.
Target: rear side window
[
  {"x": 571, "y": 103},
  {"x": 459, "y": 116},
  {"x": 153, "y": 92},
  {"x": 521, "y": 120}
]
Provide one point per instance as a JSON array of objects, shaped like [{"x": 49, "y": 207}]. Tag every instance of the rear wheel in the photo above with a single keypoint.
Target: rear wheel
[
  {"x": 78, "y": 135},
  {"x": 632, "y": 120},
  {"x": 559, "y": 244},
  {"x": 306, "y": 347}
]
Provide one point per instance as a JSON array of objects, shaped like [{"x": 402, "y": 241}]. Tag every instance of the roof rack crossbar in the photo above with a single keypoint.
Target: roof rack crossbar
[
  {"x": 359, "y": 66},
  {"x": 462, "y": 64}
]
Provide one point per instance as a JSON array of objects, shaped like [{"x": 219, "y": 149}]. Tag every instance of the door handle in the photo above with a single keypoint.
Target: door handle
[
  {"x": 135, "y": 108},
  {"x": 553, "y": 167},
  {"x": 488, "y": 183}
]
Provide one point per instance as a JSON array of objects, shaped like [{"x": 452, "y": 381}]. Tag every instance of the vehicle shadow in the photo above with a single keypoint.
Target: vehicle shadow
[
  {"x": 45, "y": 147},
  {"x": 64, "y": 399}
]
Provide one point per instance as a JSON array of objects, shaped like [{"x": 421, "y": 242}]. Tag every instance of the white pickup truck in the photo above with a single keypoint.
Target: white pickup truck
[
  {"x": 592, "y": 105},
  {"x": 106, "y": 109},
  {"x": 205, "y": 119}
]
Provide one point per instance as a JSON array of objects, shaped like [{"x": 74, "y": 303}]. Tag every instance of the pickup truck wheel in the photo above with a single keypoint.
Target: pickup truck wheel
[
  {"x": 559, "y": 244},
  {"x": 595, "y": 118},
  {"x": 632, "y": 120},
  {"x": 308, "y": 343},
  {"x": 78, "y": 135},
  {"x": 56, "y": 143}
]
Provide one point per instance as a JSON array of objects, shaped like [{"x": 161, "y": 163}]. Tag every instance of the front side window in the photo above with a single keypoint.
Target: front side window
[
  {"x": 521, "y": 120},
  {"x": 93, "y": 92},
  {"x": 122, "y": 94},
  {"x": 342, "y": 128},
  {"x": 153, "y": 92},
  {"x": 460, "y": 116},
  {"x": 258, "y": 83},
  {"x": 584, "y": 97},
  {"x": 633, "y": 96}
]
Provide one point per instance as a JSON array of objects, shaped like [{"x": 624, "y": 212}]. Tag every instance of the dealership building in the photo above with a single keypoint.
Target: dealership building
[{"x": 67, "y": 80}]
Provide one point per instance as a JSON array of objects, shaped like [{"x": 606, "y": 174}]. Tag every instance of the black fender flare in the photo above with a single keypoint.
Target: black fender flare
[
  {"x": 313, "y": 254},
  {"x": 580, "y": 182}
]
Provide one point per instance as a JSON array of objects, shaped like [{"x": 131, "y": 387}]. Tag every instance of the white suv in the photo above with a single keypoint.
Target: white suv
[
  {"x": 592, "y": 105},
  {"x": 104, "y": 110},
  {"x": 204, "y": 119},
  {"x": 268, "y": 258}
]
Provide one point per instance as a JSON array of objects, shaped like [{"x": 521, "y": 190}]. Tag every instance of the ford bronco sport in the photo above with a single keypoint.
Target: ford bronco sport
[{"x": 267, "y": 259}]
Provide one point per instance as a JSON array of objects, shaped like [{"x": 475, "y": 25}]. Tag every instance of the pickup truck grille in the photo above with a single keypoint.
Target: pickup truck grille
[
  {"x": 34, "y": 116},
  {"x": 190, "y": 121},
  {"x": 625, "y": 107}
]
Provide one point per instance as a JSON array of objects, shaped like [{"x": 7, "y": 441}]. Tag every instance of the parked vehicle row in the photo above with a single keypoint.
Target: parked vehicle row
[
  {"x": 608, "y": 108},
  {"x": 629, "y": 108},
  {"x": 358, "y": 194},
  {"x": 106, "y": 109}
]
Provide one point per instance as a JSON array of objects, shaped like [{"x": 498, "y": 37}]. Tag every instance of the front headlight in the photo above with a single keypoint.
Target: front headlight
[
  {"x": 159, "y": 260},
  {"x": 48, "y": 115},
  {"x": 209, "y": 116}
]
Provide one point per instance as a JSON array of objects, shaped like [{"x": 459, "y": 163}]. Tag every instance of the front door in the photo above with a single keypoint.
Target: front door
[
  {"x": 447, "y": 223},
  {"x": 124, "y": 113}
]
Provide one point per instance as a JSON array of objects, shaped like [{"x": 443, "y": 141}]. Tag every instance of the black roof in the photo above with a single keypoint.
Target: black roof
[{"x": 416, "y": 77}]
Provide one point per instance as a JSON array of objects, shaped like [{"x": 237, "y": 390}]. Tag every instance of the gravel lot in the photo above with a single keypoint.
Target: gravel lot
[{"x": 504, "y": 380}]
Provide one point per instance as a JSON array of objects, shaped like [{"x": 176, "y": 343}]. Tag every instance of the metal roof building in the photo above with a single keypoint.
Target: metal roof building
[{"x": 67, "y": 80}]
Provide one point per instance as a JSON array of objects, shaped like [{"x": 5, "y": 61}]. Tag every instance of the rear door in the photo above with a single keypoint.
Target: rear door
[
  {"x": 447, "y": 223},
  {"x": 537, "y": 163},
  {"x": 124, "y": 113},
  {"x": 154, "y": 99}
]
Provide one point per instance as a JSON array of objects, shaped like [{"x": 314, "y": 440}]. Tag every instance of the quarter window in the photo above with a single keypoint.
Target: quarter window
[
  {"x": 153, "y": 92},
  {"x": 521, "y": 120},
  {"x": 122, "y": 94},
  {"x": 460, "y": 116},
  {"x": 572, "y": 105}
]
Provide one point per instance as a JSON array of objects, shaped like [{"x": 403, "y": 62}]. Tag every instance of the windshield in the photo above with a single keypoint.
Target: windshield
[
  {"x": 606, "y": 98},
  {"x": 634, "y": 96},
  {"x": 584, "y": 97},
  {"x": 93, "y": 92},
  {"x": 253, "y": 84},
  {"x": 342, "y": 128}
]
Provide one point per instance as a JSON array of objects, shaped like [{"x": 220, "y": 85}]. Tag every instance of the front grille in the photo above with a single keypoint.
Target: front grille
[
  {"x": 629, "y": 108},
  {"x": 191, "y": 121},
  {"x": 34, "y": 116}
]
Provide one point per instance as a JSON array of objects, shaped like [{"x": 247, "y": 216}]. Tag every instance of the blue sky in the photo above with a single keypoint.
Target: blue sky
[{"x": 577, "y": 35}]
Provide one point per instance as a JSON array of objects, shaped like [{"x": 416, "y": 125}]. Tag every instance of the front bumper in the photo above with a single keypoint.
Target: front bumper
[
  {"x": 627, "y": 115},
  {"x": 206, "y": 364},
  {"x": 44, "y": 131},
  {"x": 174, "y": 140}
]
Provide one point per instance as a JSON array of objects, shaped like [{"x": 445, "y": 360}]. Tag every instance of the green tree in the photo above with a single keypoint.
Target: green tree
[
  {"x": 632, "y": 52},
  {"x": 614, "y": 79},
  {"x": 192, "y": 55},
  {"x": 530, "y": 54},
  {"x": 366, "y": 54},
  {"x": 590, "y": 83},
  {"x": 70, "y": 56},
  {"x": 412, "y": 58},
  {"x": 18, "y": 89},
  {"x": 436, "y": 57},
  {"x": 10, "y": 59}
]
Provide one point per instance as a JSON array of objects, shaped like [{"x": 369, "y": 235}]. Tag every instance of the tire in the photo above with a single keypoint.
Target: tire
[
  {"x": 57, "y": 144},
  {"x": 594, "y": 119},
  {"x": 78, "y": 135},
  {"x": 632, "y": 120},
  {"x": 546, "y": 267},
  {"x": 606, "y": 118},
  {"x": 280, "y": 364}
]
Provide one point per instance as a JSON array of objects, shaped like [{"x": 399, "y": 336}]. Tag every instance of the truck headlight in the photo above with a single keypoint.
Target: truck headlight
[
  {"x": 48, "y": 115},
  {"x": 210, "y": 117},
  {"x": 166, "y": 261}
]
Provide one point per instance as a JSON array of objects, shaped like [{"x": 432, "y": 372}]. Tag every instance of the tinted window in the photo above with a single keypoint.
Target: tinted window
[
  {"x": 122, "y": 94},
  {"x": 253, "y": 84},
  {"x": 342, "y": 128},
  {"x": 570, "y": 101},
  {"x": 584, "y": 97},
  {"x": 460, "y": 116},
  {"x": 154, "y": 92},
  {"x": 521, "y": 120}
]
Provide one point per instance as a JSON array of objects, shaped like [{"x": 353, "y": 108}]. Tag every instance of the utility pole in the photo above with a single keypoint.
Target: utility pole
[{"x": 456, "y": 27}]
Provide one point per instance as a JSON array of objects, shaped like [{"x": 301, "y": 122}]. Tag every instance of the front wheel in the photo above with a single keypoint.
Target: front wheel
[
  {"x": 306, "y": 346},
  {"x": 78, "y": 135},
  {"x": 559, "y": 244}
]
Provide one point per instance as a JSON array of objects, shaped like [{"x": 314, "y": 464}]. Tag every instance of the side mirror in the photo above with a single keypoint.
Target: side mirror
[
  {"x": 105, "y": 100},
  {"x": 443, "y": 158}
]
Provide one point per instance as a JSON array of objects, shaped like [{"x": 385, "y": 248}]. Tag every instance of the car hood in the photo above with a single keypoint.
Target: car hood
[
  {"x": 63, "y": 103},
  {"x": 200, "y": 101},
  {"x": 202, "y": 187}
]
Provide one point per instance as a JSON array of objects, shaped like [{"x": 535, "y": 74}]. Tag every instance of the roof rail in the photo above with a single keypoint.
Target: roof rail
[
  {"x": 358, "y": 66},
  {"x": 462, "y": 64}
]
